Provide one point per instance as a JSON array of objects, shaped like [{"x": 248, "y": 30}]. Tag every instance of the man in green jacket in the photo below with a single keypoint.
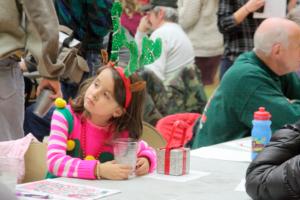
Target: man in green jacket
[
  {"x": 28, "y": 25},
  {"x": 264, "y": 77}
]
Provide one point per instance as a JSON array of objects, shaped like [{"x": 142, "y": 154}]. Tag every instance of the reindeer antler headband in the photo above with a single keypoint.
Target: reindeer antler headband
[{"x": 149, "y": 53}]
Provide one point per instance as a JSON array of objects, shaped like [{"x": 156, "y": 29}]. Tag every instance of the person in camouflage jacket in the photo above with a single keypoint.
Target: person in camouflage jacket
[
  {"x": 172, "y": 81},
  {"x": 185, "y": 93}
]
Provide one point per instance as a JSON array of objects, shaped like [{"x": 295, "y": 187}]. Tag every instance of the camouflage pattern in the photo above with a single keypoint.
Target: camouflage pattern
[
  {"x": 154, "y": 96},
  {"x": 182, "y": 93},
  {"x": 151, "y": 113}
]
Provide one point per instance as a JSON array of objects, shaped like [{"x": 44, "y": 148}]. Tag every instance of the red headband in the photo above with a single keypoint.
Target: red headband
[{"x": 126, "y": 82}]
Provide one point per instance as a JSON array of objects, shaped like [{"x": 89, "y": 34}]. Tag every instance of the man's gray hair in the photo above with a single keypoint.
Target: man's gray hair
[
  {"x": 264, "y": 40},
  {"x": 171, "y": 14}
]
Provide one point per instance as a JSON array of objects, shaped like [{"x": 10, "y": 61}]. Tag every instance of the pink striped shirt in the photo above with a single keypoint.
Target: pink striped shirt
[{"x": 61, "y": 164}]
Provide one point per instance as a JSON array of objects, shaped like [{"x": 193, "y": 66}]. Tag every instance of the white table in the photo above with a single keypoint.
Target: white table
[{"x": 224, "y": 177}]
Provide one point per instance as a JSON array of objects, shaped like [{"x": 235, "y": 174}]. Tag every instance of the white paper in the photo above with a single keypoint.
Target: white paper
[
  {"x": 32, "y": 195},
  {"x": 184, "y": 178},
  {"x": 222, "y": 154},
  {"x": 64, "y": 190},
  {"x": 241, "y": 186},
  {"x": 273, "y": 8},
  {"x": 63, "y": 36}
]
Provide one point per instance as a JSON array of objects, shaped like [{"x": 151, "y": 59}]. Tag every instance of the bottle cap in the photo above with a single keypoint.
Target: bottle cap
[{"x": 262, "y": 114}]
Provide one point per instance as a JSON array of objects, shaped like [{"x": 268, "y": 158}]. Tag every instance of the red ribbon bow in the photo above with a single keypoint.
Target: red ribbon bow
[{"x": 180, "y": 146}]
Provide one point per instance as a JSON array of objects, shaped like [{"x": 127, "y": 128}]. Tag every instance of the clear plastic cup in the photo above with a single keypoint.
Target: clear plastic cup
[
  {"x": 125, "y": 150},
  {"x": 43, "y": 103},
  {"x": 9, "y": 168}
]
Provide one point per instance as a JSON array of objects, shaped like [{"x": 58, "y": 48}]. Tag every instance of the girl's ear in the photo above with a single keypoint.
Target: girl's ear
[{"x": 118, "y": 112}]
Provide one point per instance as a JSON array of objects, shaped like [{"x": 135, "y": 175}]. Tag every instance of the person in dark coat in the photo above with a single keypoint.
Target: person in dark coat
[{"x": 275, "y": 173}]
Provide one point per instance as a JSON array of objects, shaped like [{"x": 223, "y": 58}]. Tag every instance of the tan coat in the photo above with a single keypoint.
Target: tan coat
[
  {"x": 198, "y": 18},
  {"x": 38, "y": 35}
]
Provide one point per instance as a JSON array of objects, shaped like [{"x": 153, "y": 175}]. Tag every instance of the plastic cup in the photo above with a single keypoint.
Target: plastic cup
[
  {"x": 9, "y": 168},
  {"x": 125, "y": 150},
  {"x": 43, "y": 103}
]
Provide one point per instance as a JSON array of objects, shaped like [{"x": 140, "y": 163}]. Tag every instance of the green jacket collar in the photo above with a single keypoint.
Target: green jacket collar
[{"x": 261, "y": 64}]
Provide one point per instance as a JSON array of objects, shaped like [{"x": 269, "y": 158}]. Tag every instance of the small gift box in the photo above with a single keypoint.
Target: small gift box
[{"x": 174, "y": 160}]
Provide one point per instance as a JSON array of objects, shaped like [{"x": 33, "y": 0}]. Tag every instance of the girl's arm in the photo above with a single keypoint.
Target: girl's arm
[
  {"x": 229, "y": 17},
  {"x": 60, "y": 164},
  {"x": 250, "y": 7},
  {"x": 292, "y": 4},
  {"x": 148, "y": 152}
]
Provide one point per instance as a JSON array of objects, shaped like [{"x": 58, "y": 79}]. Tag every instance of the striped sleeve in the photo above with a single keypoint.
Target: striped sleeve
[
  {"x": 58, "y": 162},
  {"x": 146, "y": 151}
]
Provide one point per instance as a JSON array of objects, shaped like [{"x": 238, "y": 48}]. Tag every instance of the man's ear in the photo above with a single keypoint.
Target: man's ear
[
  {"x": 161, "y": 13},
  {"x": 118, "y": 112},
  {"x": 276, "y": 49}
]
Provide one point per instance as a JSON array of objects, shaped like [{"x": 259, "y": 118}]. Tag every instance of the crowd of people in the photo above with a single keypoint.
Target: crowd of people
[{"x": 258, "y": 61}]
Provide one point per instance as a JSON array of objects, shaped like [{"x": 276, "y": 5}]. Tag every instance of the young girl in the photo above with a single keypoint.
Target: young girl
[{"x": 109, "y": 106}]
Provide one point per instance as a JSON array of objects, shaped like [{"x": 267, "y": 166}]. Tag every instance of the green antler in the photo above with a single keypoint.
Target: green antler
[
  {"x": 150, "y": 50},
  {"x": 119, "y": 37},
  {"x": 133, "y": 62}
]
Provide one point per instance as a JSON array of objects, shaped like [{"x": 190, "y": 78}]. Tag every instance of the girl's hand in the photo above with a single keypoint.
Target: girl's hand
[
  {"x": 142, "y": 166},
  {"x": 292, "y": 4},
  {"x": 254, "y": 5},
  {"x": 113, "y": 171}
]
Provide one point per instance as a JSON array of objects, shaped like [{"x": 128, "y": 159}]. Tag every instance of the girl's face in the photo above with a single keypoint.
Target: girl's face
[{"x": 99, "y": 99}]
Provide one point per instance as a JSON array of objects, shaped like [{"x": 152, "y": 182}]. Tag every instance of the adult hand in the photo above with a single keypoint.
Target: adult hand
[
  {"x": 22, "y": 65},
  {"x": 254, "y": 5},
  {"x": 111, "y": 170},
  {"x": 142, "y": 166},
  {"x": 144, "y": 25},
  {"x": 54, "y": 85}
]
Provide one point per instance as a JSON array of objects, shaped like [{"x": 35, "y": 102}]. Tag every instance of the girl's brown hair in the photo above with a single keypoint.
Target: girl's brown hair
[{"x": 131, "y": 120}]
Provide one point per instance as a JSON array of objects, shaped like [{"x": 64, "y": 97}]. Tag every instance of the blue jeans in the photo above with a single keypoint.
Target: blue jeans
[
  {"x": 40, "y": 127},
  {"x": 69, "y": 90},
  {"x": 225, "y": 65},
  {"x": 94, "y": 61}
]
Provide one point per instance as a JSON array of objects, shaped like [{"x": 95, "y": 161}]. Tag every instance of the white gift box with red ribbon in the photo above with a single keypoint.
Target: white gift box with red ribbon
[{"x": 174, "y": 160}]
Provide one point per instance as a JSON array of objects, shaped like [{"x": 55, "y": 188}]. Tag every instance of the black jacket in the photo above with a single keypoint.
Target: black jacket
[{"x": 275, "y": 173}]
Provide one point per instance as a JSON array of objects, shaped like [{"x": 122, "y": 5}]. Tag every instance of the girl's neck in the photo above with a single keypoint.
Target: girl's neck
[{"x": 99, "y": 122}]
